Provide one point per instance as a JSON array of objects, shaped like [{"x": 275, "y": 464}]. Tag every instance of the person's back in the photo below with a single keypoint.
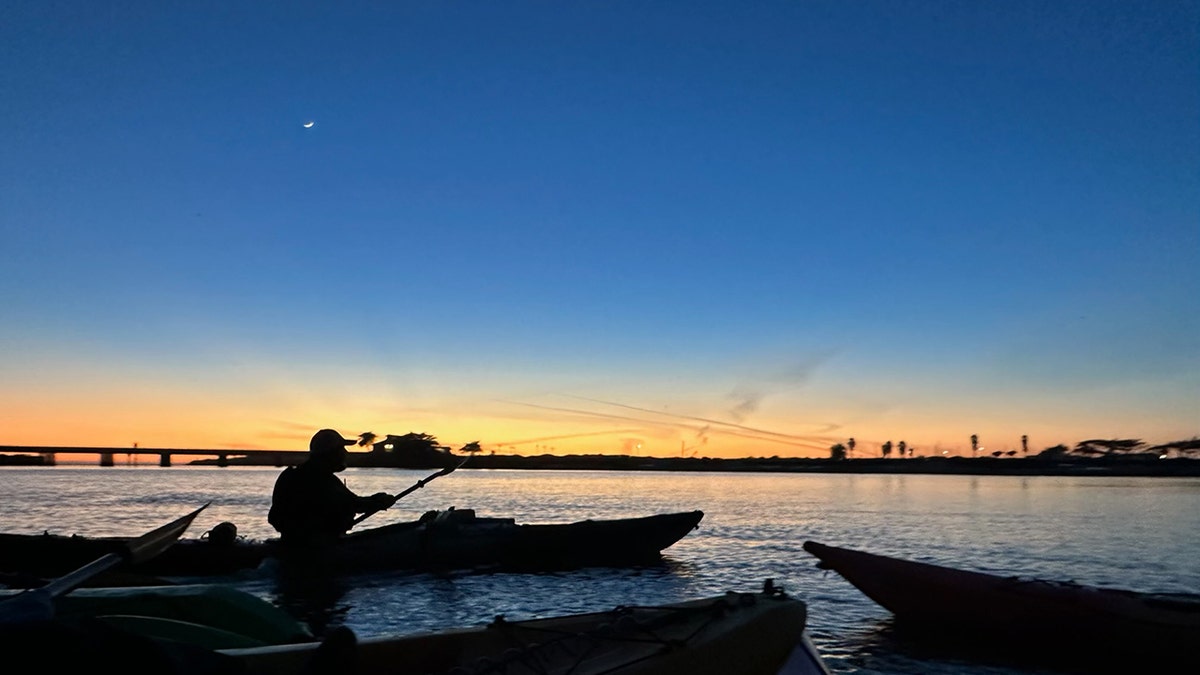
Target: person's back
[{"x": 310, "y": 505}]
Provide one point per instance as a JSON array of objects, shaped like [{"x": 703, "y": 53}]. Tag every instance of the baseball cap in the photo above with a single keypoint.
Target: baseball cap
[{"x": 327, "y": 440}]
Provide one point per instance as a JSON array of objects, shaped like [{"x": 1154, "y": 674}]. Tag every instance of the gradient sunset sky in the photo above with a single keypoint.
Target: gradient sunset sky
[{"x": 660, "y": 228}]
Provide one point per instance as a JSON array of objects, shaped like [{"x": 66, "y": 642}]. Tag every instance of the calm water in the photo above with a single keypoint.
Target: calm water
[{"x": 1141, "y": 533}]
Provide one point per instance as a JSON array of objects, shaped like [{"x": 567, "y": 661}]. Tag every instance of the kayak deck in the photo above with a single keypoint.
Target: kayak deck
[{"x": 744, "y": 633}]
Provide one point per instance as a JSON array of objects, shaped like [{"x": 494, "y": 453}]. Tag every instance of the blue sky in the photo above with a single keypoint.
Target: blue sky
[{"x": 714, "y": 228}]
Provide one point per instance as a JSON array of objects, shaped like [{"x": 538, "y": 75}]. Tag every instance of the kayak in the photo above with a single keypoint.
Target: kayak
[
  {"x": 439, "y": 540},
  {"x": 209, "y": 615},
  {"x": 744, "y": 633},
  {"x": 211, "y": 629},
  {"x": 1025, "y": 616}
]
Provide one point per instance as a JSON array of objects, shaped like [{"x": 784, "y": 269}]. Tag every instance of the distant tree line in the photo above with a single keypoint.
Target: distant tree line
[{"x": 1095, "y": 448}]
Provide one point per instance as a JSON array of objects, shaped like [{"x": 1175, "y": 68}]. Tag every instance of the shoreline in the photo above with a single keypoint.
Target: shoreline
[{"x": 1136, "y": 465}]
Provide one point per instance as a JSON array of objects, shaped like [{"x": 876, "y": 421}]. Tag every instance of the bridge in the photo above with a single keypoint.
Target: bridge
[{"x": 278, "y": 458}]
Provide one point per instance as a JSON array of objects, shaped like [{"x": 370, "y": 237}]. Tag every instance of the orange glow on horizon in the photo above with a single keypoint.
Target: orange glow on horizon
[{"x": 577, "y": 426}]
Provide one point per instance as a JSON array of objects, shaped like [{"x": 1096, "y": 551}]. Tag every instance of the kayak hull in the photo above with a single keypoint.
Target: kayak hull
[
  {"x": 208, "y": 615},
  {"x": 1037, "y": 617},
  {"x": 448, "y": 540}
]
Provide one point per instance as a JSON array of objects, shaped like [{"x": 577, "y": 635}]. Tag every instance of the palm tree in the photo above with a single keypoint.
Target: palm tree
[
  {"x": 1025, "y": 444},
  {"x": 366, "y": 438},
  {"x": 837, "y": 451},
  {"x": 887, "y": 448},
  {"x": 974, "y": 444},
  {"x": 903, "y": 448},
  {"x": 850, "y": 447}
]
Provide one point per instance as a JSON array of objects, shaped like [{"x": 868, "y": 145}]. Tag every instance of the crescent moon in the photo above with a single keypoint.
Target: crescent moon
[{"x": 309, "y": 125}]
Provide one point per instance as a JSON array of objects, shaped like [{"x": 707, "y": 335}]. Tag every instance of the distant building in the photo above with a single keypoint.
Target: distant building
[{"x": 408, "y": 451}]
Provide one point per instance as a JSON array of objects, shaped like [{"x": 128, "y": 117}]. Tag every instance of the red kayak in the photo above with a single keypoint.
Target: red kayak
[{"x": 1024, "y": 615}]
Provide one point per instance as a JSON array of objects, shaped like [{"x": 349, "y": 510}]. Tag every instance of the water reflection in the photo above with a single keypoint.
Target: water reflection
[
  {"x": 316, "y": 599},
  {"x": 885, "y": 646}
]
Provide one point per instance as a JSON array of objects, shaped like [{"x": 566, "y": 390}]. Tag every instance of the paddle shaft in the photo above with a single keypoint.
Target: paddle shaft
[
  {"x": 412, "y": 488},
  {"x": 68, "y": 582}
]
